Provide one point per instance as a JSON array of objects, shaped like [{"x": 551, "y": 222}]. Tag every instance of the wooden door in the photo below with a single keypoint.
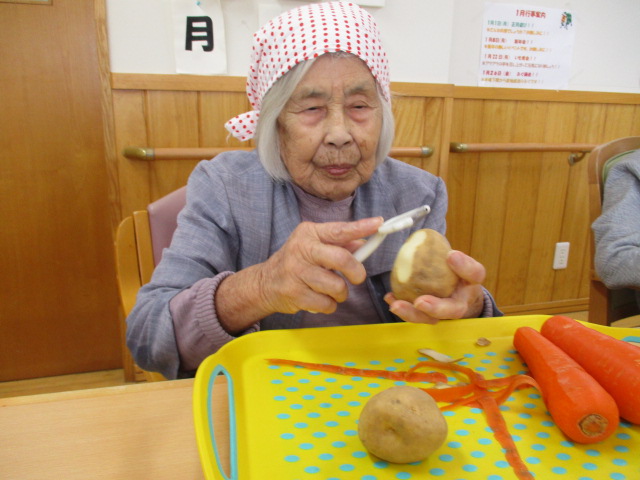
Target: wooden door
[{"x": 58, "y": 297}]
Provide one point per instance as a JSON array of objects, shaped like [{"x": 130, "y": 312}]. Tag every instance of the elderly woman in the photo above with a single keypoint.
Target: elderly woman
[{"x": 266, "y": 239}]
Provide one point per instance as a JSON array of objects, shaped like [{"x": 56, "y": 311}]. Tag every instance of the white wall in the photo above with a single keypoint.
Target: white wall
[{"x": 428, "y": 41}]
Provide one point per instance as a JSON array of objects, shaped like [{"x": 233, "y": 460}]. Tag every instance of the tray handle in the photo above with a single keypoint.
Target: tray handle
[{"x": 208, "y": 447}]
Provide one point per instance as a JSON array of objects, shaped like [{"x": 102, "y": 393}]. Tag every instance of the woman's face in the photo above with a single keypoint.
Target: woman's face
[{"x": 330, "y": 126}]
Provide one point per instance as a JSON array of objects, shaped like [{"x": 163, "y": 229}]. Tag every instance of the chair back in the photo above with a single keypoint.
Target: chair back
[
  {"x": 163, "y": 220},
  {"x": 140, "y": 239},
  {"x": 606, "y": 306}
]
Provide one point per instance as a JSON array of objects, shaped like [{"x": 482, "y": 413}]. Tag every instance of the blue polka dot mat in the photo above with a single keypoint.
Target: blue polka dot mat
[{"x": 294, "y": 423}]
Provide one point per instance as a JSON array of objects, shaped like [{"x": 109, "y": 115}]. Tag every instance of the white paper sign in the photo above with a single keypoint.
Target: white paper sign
[
  {"x": 199, "y": 40},
  {"x": 526, "y": 47}
]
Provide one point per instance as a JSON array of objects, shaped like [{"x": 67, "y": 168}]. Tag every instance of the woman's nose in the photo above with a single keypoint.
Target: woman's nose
[{"x": 338, "y": 133}]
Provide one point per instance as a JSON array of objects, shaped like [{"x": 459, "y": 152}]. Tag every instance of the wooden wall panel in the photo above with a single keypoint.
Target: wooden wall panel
[
  {"x": 492, "y": 186},
  {"x": 418, "y": 123},
  {"x": 508, "y": 210},
  {"x": 174, "y": 118},
  {"x": 462, "y": 174},
  {"x": 432, "y": 134},
  {"x": 619, "y": 118},
  {"x": 548, "y": 221},
  {"x": 130, "y": 130},
  {"x": 515, "y": 223},
  {"x": 560, "y": 127},
  {"x": 520, "y": 202},
  {"x": 544, "y": 200},
  {"x": 215, "y": 109},
  {"x": 172, "y": 121},
  {"x": 575, "y": 229},
  {"x": 590, "y": 126}
]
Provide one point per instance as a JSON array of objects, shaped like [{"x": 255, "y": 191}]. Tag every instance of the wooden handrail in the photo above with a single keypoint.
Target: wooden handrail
[
  {"x": 578, "y": 149},
  {"x": 520, "y": 147},
  {"x": 148, "y": 153},
  {"x": 413, "y": 152}
]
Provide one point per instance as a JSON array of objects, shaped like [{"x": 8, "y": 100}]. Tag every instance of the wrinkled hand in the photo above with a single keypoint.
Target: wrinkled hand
[
  {"x": 466, "y": 301},
  {"x": 309, "y": 271}
]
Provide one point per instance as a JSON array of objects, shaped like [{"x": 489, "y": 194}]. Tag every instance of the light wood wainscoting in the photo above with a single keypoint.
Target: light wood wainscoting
[{"x": 508, "y": 210}]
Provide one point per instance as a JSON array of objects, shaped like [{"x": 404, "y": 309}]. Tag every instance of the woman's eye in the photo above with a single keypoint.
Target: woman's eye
[
  {"x": 312, "y": 109},
  {"x": 360, "y": 111}
]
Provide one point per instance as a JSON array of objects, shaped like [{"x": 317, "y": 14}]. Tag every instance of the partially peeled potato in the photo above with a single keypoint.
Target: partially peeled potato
[{"x": 421, "y": 267}]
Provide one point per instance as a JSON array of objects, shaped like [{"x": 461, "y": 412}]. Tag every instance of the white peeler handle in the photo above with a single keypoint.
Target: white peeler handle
[{"x": 394, "y": 224}]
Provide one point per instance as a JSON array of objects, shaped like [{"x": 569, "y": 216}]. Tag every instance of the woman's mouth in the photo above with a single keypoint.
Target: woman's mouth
[{"x": 338, "y": 170}]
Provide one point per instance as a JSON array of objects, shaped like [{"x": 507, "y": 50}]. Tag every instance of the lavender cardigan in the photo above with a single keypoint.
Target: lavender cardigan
[{"x": 237, "y": 216}]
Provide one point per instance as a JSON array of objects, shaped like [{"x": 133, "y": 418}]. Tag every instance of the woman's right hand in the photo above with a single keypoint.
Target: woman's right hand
[{"x": 309, "y": 272}]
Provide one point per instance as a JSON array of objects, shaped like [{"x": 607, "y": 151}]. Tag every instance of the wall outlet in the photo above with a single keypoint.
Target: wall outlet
[{"x": 561, "y": 257}]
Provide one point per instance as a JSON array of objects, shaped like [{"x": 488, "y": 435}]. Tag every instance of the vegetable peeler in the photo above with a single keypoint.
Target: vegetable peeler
[{"x": 394, "y": 224}]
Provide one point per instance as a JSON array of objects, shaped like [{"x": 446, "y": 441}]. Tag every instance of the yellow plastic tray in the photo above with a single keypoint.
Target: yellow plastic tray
[{"x": 292, "y": 423}]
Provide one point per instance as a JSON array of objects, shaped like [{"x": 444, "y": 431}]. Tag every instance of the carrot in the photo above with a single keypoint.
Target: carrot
[
  {"x": 614, "y": 363},
  {"x": 579, "y": 406}
]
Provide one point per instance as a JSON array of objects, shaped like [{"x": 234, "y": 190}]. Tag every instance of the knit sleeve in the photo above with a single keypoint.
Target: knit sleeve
[{"x": 197, "y": 328}]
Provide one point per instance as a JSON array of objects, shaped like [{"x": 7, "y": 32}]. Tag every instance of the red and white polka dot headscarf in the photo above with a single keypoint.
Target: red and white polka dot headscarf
[{"x": 303, "y": 33}]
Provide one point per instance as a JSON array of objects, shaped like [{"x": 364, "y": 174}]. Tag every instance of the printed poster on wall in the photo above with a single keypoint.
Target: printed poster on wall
[
  {"x": 199, "y": 40},
  {"x": 526, "y": 47}
]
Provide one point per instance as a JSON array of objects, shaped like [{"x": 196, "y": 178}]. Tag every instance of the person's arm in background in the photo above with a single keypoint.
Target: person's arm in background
[{"x": 617, "y": 230}]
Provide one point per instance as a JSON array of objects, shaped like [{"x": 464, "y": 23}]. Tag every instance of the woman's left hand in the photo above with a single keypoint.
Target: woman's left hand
[{"x": 466, "y": 301}]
